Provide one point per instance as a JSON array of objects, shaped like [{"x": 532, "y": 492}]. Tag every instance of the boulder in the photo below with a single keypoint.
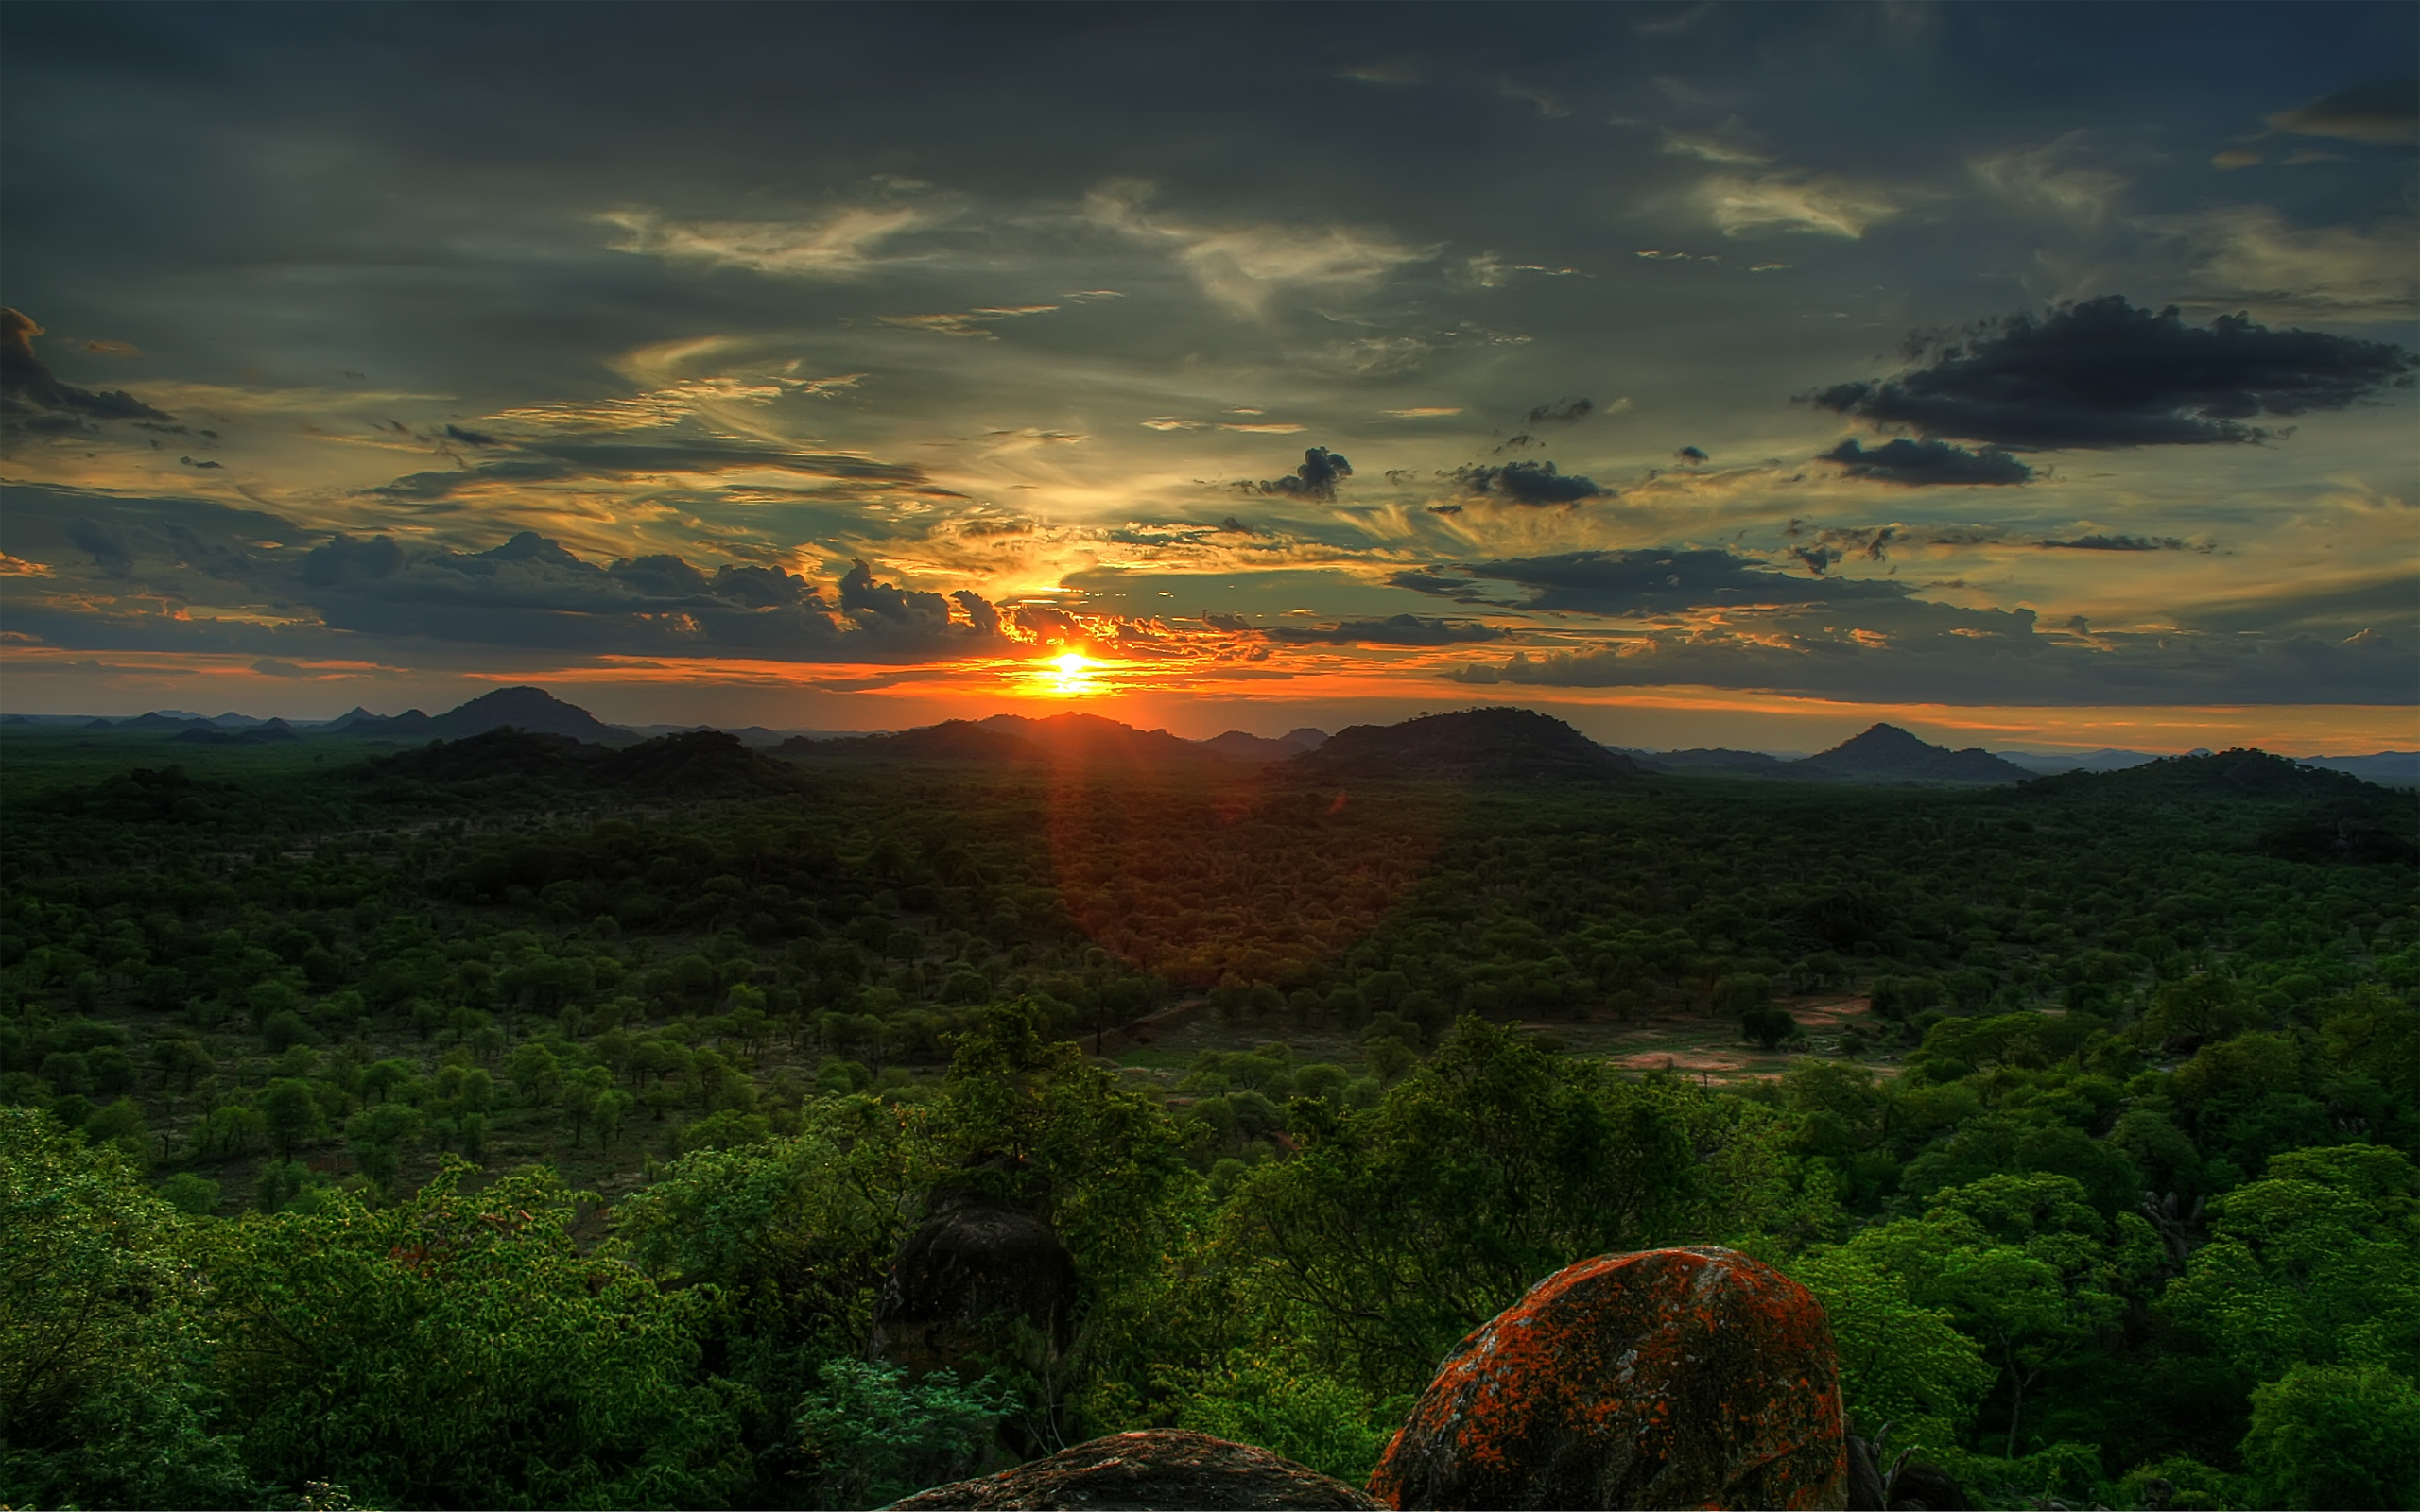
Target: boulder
[
  {"x": 1669, "y": 1378},
  {"x": 973, "y": 1280},
  {"x": 1161, "y": 1468}
]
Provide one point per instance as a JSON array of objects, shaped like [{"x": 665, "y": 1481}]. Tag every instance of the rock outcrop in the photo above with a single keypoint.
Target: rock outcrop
[
  {"x": 976, "y": 1279},
  {"x": 1162, "y": 1468},
  {"x": 1669, "y": 1378}
]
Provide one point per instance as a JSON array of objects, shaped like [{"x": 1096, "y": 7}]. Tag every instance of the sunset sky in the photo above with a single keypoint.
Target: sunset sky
[{"x": 2030, "y": 375}]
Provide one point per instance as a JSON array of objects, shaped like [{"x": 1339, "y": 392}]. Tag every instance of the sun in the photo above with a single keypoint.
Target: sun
[{"x": 1069, "y": 675}]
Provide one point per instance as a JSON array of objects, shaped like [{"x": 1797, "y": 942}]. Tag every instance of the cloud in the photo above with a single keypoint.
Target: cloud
[
  {"x": 1316, "y": 478},
  {"x": 1401, "y": 629},
  {"x": 2104, "y": 373},
  {"x": 1563, "y": 412},
  {"x": 1711, "y": 148},
  {"x": 975, "y": 322},
  {"x": 35, "y": 400},
  {"x": 1232, "y": 624},
  {"x": 1916, "y": 464},
  {"x": 109, "y": 553},
  {"x": 269, "y": 666},
  {"x": 1632, "y": 584},
  {"x": 1692, "y": 456},
  {"x": 1244, "y": 266},
  {"x": 1424, "y": 412},
  {"x": 2250, "y": 260},
  {"x": 532, "y": 463},
  {"x": 2116, "y": 543},
  {"x": 1939, "y": 653},
  {"x": 668, "y": 405},
  {"x": 1527, "y": 483},
  {"x": 835, "y": 245},
  {"x": 1820, "y": 204},
  {"x": 2048, "y": 178},
  {"x": 2385, "y": 110}
]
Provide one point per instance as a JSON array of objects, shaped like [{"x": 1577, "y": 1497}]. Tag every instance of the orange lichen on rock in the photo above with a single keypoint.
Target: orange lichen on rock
[{"x": 1669, "y": 1378}]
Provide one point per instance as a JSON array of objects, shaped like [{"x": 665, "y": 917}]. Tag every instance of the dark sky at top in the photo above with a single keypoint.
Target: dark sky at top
[{"x": 1684, "y": 366}]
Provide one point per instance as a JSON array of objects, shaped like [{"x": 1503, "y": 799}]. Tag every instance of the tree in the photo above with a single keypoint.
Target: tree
[
  {"x": 1394, "y": 1233},
  {"x": 2335, "y": 1436},
  {"x": 2026, "y": 1268},
  {"x": 2318, "y": 1264},
  {"x": 376, "y": 1134},
  {"x": 459, "y": 1349},
  {"x": 1767, "y": 1025},
  {"x": 101, "y": 1307},
  {"x": 291, "y": 1114},
  {"x": 1901, "y": 1364},
  {"x": 870, "y": 1439}
]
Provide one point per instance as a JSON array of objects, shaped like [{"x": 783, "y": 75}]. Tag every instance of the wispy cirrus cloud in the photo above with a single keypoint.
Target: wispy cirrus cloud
[{"x": 834, "y": 244}]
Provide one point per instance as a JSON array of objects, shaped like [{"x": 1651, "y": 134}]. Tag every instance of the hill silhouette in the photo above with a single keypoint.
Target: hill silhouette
[
  {"x": 1718, "y": 759},
  {"x": 695, "y": 761},
  {"x": 694, "y": 764},
  {"x": 953, "y": 740},
  {"x": 1237, "y": 744},
  {"x": 1885, "y": 753},
  {"x": 1089, "y": 740},
  {"x": 2237, "y": 773},
  {"x": 531, "y": 709},
  {"x": 1494, "y": 744}
]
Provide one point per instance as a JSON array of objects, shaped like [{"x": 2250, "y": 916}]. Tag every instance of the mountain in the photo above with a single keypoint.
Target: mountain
[
  {"x": 1088, "y": 740},
  {"x": 1885, "y": 753},
  {"x": 1472, "y": 744},
  {"x": 2048, "y": 763},
  {"x": 1239, "y": 745},
  {"x": 2244, "y": 773},
  {"x": 531, "y": 709},
  {"x": 1717, "y": 759},
  {"x": 2400, "y": 769},
  {"x": 693, "y": 763},
  {"x": 954, "y": 740}
]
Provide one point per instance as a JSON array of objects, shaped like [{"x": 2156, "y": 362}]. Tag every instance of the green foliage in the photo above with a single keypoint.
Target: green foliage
[
  {"x": 2318, "y": 1264},
  {"x": 1902, "y": 1364},
  {"x": 731, "y": 1006},
  {"x": 1291, "y": 1408},
  {"x": 457, "y": 1349},
  {"x": 101, "y": 1311},
  {"x": 868, "y": 1437},
  {"x": 2335, "y": 1436}
]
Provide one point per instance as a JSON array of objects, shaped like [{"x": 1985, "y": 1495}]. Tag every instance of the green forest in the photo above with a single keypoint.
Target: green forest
[{"x": 513, "y": 1123}]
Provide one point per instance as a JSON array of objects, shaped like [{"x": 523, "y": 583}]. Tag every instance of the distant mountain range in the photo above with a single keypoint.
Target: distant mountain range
[{"x": 1491, "y": 742}]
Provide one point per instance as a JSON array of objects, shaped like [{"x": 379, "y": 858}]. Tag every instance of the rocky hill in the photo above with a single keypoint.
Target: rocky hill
[
  {"x": 1885, "y": 753},
  {"x": 1514, "y": 745}
]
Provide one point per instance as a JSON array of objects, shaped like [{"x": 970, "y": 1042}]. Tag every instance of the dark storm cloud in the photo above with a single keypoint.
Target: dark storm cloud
[
  {"x": 1628, "y": 584},
  {"x": 1923, "y": 464},
  {"x": 1528, "y": 483},
  {"x": 109, "y": 553},
  {"x": 1691, "y": 454},
  {"x": 1943, "y": 654},
  {"x": 1563, "y": 412},
  {"x": 36, "y": 399},
  {"x": 1316, "y": 478},
  {"x": 2116, "y": 543},
  {"x": 2385, "y": 110},
  {"x": 1400, "y": 630},
  {"x": 2104, "y": 373},
  {"x": 528, "y": 594}
]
